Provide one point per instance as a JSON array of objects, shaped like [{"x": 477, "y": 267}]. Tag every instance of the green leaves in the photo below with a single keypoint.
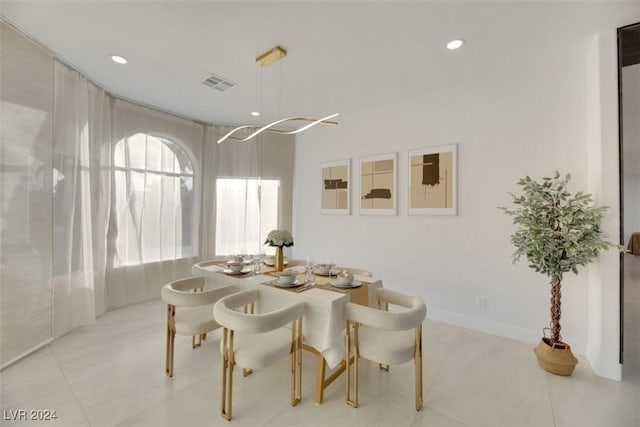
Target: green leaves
[{"x": 556, "y": 231}]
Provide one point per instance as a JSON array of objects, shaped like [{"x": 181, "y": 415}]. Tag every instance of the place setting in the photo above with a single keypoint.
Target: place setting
[
  {"x": 239, "y": 266},
  {"x": 327, "y": 276},
  {"x": 291, "y": 280},
  {"x": 345, "y": 280},
  {"x": 325, "y": 269},
  {"x": 330, "y": 275}
]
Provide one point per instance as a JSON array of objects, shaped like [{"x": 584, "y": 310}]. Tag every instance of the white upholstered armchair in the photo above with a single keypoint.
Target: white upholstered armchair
[
  {"x": 257, "y": 340},
  {"x": 189, "y": 312},
  {"x": 386, "y": 337}
]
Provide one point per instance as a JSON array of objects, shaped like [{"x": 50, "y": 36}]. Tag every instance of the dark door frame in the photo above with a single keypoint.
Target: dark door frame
[{"x": 621, "y": 33}]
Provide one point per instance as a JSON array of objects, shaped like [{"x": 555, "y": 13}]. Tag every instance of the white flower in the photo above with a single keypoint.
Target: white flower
[{"x": 279, "y": 238}]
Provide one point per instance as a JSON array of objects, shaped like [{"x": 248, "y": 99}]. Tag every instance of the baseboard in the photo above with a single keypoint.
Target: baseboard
[
  {"x": 505, "y": 330},
  {"x": 27, "y": 353}
]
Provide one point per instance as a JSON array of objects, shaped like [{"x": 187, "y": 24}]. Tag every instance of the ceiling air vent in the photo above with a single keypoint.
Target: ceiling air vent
[{"x": 218, "y": 83}]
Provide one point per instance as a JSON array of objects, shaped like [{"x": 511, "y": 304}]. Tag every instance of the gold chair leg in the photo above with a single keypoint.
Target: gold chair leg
[
  {"x": 296, "y": 362},
  {"x": 171, "y": 336},
  {"x": 225, "y": 362},
  {"x": 384, "y": 367},
  {"x": 195, "y": 344},
  {"x": 170, "y": 355},
  {"x": 352, "y": 402},
  {"x": 203, "y": 336},
  {"x": 418, "y": 373},
  {"x": 347, "y": 339},
  {"x": 248, "y": 309},
  {"x": 299, "y": 362},
  {"x": 227, "y": 373}
]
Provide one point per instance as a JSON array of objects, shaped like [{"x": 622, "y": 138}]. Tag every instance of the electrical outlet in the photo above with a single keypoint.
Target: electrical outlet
[{"x": 481, "y": 302}]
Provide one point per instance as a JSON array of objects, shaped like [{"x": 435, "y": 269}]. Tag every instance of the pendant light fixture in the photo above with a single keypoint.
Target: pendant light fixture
[{"x": 266, "y": 59}]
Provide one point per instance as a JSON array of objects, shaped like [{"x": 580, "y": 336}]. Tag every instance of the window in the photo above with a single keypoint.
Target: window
[
  {"x": 154, "y": 200},
  {"x": 246, "y": 210}
]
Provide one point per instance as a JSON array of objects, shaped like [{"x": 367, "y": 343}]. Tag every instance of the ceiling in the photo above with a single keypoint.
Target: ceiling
[{"x": 342, "y": 56}]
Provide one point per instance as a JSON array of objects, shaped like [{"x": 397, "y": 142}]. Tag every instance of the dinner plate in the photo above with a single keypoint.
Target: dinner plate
[
  {"x": 353, "y": 284},
  {"x": 290, "y": 285},
  {"x": 270, "y": 262},
  {"x": 233, "y": 273},
  {"x": 244, "y": 261}
]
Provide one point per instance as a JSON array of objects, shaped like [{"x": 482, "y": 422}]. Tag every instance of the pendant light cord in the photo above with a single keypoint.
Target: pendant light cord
[{"x": 280, "y": 89}]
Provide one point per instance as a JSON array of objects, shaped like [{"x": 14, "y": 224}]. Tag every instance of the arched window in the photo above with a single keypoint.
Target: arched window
[{"x": 154, "y": 200}]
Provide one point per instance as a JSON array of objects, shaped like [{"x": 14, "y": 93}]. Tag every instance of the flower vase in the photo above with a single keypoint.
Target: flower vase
[{"x": 278, "y": 263}]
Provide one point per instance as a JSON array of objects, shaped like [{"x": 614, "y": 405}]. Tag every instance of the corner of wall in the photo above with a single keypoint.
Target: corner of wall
[{"x": 603, "y": 332}]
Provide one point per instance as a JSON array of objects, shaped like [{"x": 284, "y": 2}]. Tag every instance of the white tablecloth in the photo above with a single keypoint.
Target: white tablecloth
[{"x": 323, "y": 322}]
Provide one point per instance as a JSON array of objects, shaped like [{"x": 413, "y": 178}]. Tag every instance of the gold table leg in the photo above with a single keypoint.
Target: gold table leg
[{"x": 323, "y": 382}]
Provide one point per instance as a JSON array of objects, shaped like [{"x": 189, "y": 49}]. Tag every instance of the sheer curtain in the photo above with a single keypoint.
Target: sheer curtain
[
  {"x": 153, "y": 200},
  {"x": 75, "y": 240},
  {"x": 238, "y": 227},
  {"x": 156, "y": 204},
  {"x": 226, "y": 160},
  {"x": 125, "y": 200},
  {"x": 228, "y": 223},
  {"x": 81, "y": 195}
]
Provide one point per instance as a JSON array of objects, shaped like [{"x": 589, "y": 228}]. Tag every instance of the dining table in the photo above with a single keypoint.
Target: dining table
[{"x": 323, "y": 321}]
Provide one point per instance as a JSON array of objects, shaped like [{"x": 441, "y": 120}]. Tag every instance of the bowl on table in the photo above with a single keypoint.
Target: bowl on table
[
  {"x": 287, "y": 277},
  {"x": 344, "y": 278},
  {"x": 322, "y": 269},
  {"x": 235, "y": 266}
]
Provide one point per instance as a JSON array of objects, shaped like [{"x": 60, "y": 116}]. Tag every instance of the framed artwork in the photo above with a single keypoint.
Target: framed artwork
[
  {"x": 334, "y": 191},
  {"x": 378, "y": 183},
  {"x": 433, "y": 180}
]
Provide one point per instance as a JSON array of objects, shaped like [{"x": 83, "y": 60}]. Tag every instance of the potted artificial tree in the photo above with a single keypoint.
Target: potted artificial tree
[{"x": 557, "y": 232}]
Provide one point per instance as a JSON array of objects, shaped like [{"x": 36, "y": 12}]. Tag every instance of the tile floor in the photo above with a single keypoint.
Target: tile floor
[{"x": 112, "y": 373}]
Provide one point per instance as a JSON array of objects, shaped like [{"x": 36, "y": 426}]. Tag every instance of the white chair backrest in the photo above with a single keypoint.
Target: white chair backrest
[
  {"x": 196, "y": 269},
  {"x": 391, "y": 320},
  {"x": 225, "y": 314},
  {"x": 181, "y": 292},
  {"x": 357, "y": 271}
]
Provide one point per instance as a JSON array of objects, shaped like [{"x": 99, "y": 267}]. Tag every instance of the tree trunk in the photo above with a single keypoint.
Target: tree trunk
[{"x": 555, "y": 313}]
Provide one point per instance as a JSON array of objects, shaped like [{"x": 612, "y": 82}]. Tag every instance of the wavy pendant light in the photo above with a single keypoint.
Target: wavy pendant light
[{"x": 266, "y": 59}]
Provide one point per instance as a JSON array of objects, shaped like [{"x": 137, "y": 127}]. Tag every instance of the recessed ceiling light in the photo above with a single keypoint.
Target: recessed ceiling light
[
  {"x": 255, "y": 113},
  {"x": 118, "y": 59},
  {"x": 455, "y": 44}
]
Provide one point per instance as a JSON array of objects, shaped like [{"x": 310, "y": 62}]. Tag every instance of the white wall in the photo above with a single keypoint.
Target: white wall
[{"x": 513, "y": 112}]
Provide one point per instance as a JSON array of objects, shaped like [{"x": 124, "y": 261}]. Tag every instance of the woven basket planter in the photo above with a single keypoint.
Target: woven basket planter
[{"x": 557, "y": 359}]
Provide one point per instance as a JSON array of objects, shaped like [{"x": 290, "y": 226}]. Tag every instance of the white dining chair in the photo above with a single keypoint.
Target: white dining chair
[
  {"x": 189, "y": 312},
  {"x": 257, "y": 340},
  {"x": 198, "y": 269},
  {"x": 386, "y": 337}
]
